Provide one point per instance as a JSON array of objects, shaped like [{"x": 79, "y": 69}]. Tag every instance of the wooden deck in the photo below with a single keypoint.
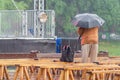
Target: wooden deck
[{"x": 48, "y": 67}]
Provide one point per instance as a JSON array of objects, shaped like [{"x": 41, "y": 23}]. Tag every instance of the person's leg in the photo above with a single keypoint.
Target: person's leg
[
  {"x": 93, "y": 52},
  {"x": 85, "y": 52}
]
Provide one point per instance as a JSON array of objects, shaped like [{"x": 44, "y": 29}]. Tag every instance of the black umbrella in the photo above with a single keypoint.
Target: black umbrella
[{"x": 87, "y": 20}]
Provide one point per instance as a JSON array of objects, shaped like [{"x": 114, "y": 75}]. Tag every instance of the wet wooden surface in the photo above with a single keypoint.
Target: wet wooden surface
[
  {"x": 25, "y": 69},
  {"x": 23, "y": 65}
]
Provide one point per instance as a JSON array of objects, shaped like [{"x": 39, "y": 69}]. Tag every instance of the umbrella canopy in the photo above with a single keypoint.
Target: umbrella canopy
[{"x": 87, "y": 20}]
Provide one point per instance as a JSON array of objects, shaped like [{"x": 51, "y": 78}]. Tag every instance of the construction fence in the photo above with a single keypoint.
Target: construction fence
[{"x": 25, "y": 23}]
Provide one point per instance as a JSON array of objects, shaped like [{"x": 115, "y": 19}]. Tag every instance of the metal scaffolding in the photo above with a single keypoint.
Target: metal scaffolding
[
  {"x": 39, "y": 7},
  {"x": 24, "y": 23},
  {"x": 28, "y": 23}
]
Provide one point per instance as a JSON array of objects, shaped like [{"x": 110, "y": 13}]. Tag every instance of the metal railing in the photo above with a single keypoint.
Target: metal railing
[{"x": 17, "y": 24}]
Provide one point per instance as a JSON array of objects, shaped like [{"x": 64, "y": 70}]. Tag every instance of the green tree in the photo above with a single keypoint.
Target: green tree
[
  {"x": 9, "y": 5},
  {"x": 66, "y": 9}
]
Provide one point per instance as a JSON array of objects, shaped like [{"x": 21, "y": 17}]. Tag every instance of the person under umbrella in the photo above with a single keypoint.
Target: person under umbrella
[
  {"x": 89, "y": 43},
  {"x": 88, "y": 25}
]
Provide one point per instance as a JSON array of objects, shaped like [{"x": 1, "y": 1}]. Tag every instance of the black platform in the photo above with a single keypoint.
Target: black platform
[
  {"x": 26, "y": 45},
  {"x": 9, "y": 45}
]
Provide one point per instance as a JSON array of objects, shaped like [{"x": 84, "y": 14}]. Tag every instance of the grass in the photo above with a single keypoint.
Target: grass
[{"x": 113, "y": 47}]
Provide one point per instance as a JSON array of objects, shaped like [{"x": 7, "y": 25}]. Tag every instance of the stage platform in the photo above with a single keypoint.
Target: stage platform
[
  {"x": 9, "y": 45},
  {"x": 44, "y": 45}
]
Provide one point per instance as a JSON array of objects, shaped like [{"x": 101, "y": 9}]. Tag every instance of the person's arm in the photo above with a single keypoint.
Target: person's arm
[{"x": 80, "y": 31}]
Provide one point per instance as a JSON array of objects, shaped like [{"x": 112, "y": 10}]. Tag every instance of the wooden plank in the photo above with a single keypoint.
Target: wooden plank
[
  {"x": 16, "y": 73},
  {"x": 6, "y": 73},
  {"x": 31, "y": 55},
  {"x": 26, "y": 73},
  {"x": 1, "y": 72}
]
